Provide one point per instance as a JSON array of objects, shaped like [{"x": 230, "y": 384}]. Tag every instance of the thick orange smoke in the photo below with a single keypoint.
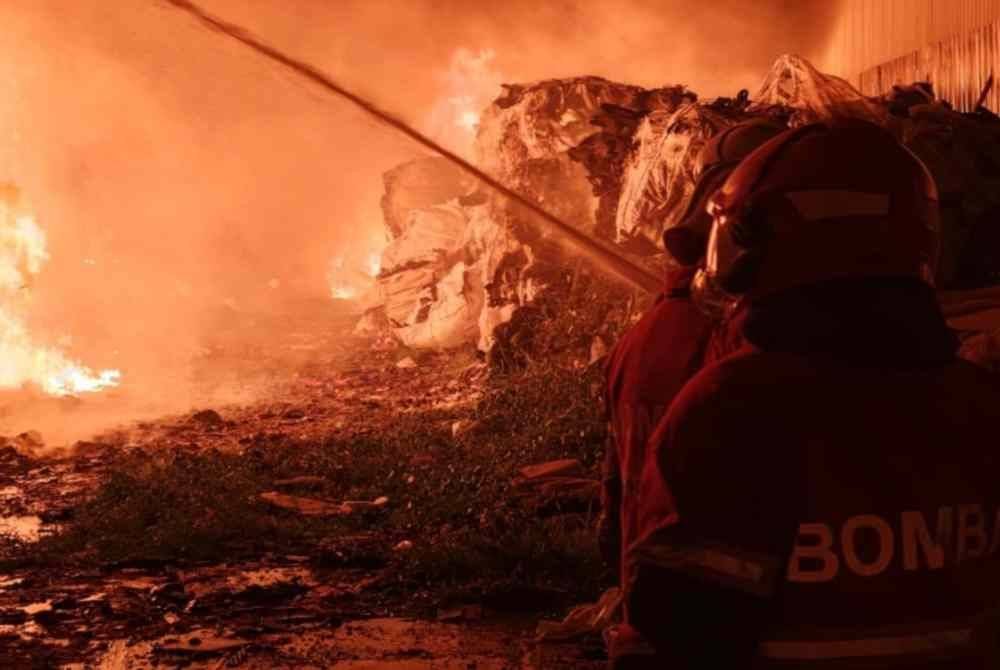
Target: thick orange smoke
[{"x": 177, "y": 175}]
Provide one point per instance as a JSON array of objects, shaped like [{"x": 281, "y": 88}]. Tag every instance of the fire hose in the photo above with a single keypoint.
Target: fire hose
[{"x": 602, "y": 254}]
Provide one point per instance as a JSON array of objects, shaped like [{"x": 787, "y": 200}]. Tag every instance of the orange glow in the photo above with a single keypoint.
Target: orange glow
[
  {"x": 469, "y": 120},
  {"x": 374, "y": 263},
  {"x": 467, "y": 87},
  {"x": 343, "y": 292},
  {"x": 23, "y": 361},
  {"x": 349, "y": 281}
]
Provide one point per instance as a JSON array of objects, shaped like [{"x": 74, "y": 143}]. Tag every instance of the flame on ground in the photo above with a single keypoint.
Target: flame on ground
[
  {"x": 22, "y": 361},
  {"x": 348, "y": 281}
]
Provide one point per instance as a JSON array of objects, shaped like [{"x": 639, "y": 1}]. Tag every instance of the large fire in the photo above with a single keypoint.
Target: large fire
[
  {"x": 348, "y": 282},
  {"x": 469, "y": 85},
  {"x": 22, "y": 361},
  {"x": 374, "y": 264},
  {"x": 466, "y": 87},
  {"x": 469, "y": 120}
]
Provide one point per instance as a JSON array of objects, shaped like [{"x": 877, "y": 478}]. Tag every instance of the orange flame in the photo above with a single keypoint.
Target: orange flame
[
  {"x": 349, "y": 282},
  {"x": 469, "y": 85},
  {"x": 22, "y": 254},
  {"x": 374, "y": 263}
]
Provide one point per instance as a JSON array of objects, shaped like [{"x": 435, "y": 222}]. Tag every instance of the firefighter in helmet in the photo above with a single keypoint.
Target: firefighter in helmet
[
  {"x": 831, "y": 488},
  {"x": 657, "y": 356}
]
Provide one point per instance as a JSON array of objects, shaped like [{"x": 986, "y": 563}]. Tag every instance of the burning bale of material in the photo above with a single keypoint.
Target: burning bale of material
[
  {"x": 419, "y": 268},
  {"x": 617, "y": 161},
  {"x": 458, "y": 268},
  {"x": 460, "y": 261}
]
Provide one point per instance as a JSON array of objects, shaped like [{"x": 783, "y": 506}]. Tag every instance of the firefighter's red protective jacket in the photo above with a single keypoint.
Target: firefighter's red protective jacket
[
  {"x": 648, "y": 367},
  {"x": 833, "y": 494}
]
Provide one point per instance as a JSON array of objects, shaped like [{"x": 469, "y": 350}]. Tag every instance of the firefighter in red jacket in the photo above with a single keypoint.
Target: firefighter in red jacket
[
  {"x": 665, "y": 348},
  {"x": 833, "y": 497}
]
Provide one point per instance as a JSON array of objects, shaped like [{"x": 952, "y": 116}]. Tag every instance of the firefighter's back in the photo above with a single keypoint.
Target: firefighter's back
[
  {"x": 831, "y": 497},
  {"x": 891, "y": 479}
]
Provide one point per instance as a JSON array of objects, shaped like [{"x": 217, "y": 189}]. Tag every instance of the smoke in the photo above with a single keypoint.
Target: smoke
[
  {"x": 468, "y": 86},
  {"x": 178, "y": 176}
]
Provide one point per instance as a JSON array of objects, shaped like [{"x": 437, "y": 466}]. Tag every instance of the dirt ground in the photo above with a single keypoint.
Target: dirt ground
[
  {"x": 275, "y": 613},
  {"x": 338, "y": 520}
]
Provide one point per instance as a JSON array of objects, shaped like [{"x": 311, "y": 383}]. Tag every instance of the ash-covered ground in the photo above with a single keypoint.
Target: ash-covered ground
[{"x": 377, "y": 509}]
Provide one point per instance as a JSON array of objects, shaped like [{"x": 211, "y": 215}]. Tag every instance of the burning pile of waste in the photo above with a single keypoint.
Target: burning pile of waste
[
  {"x": 617, "y": 162},
  {"x": 462, "y": 260}
]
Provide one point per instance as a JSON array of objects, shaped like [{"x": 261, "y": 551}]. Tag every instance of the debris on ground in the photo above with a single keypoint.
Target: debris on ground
[
  {"x": 208, "y": 418},
  {"x": 200, "y": 643},
  {"x": 566, "y": 467},
  {"x": 463, "y": 613},
  {"x": 590, "y": 619},
  {"x": 302, "y": 481},
  {"x": 306, "y": 506},
  {"x": 406, "y": 363}
]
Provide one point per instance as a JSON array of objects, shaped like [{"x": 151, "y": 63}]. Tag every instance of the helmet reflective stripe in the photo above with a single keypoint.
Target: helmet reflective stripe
[
  {"x": 720, "y": 247},
  {"x": 833, "y": 204}
]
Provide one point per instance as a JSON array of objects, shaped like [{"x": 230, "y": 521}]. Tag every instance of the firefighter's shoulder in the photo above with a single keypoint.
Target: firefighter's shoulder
[
  {"x": 729, "y": 465},
  {"x": 737, "y": 388},
  {"x": 723, "y": 423}
]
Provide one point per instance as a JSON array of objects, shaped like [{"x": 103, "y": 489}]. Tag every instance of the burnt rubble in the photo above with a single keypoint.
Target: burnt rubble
[{"x": 276, "y": 533}]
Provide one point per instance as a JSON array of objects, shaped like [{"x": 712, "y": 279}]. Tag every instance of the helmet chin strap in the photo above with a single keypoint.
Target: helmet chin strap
[{"x": 709, "y": 298}]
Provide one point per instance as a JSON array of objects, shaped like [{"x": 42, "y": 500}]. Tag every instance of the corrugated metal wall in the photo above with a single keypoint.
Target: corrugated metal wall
[
  {"x": 953, "y": 43},
  {"x": 958, "y": 67}
]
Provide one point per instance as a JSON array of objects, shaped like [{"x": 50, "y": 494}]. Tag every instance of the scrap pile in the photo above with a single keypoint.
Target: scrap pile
[{"x": 617, "y": 161}]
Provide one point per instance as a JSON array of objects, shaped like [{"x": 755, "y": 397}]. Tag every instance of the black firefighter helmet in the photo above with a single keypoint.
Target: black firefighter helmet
[{"x": 687, "y": 240}]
